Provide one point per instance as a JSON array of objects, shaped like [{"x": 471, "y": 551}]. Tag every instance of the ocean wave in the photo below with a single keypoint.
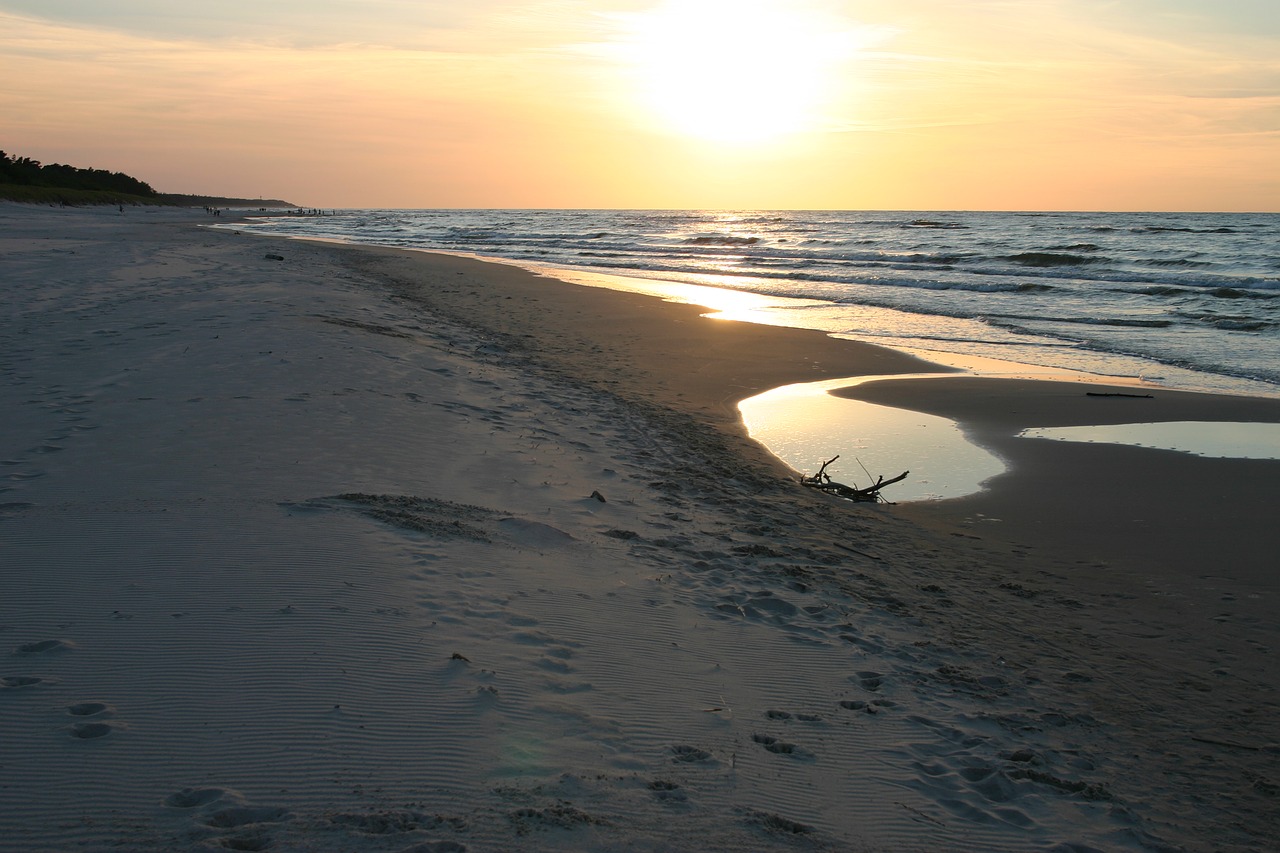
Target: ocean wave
[
  {"x": 872, "y": 334},
  {"x": 721, "y": 240},
  {"x": 1241, "y": 324},
  {"x": 1160, "y": 290},
  {"x": 1077, "y": 247},
  {"x": 933, "y": 223},
  {"x": 871, "y": 264},
  {"x": 472, "y": 235},
  {"x": 1169, "y": 229},
  {"x": 1210, "y": 289},
  {"x": 948, "y": 260},
  {"x": 1239, "y": 293},
  {"x": 1119, "y": 322},
  {"x": 1233, "y": 323},
  {"x": 765, "y": 219},
  {"x": 1185, "y": 263},
  {"x": 862, "y": 268},
  {"x": 860, "y": 274},
  {"x": 1049, "y": 259}
]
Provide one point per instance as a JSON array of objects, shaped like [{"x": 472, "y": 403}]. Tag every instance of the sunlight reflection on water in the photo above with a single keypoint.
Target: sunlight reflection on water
[{"x": 804, "y": 426}]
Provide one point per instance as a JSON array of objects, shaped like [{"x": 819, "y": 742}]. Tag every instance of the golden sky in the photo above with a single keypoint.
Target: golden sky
[{"x": 889, "y": 104}]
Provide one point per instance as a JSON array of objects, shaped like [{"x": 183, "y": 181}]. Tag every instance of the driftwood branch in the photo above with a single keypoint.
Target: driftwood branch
[
  {"x": 1116, "y": 394},
  {"x": 822, "y": 481}
]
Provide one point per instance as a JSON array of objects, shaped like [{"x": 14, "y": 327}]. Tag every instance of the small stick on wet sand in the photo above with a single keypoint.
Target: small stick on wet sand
[{"x": 871, "y": 494}]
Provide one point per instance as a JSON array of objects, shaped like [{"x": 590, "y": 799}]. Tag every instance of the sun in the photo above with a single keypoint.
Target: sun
[{"x": 740, "y": 72}]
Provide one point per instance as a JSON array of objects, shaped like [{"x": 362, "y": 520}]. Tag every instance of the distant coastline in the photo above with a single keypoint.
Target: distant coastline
[
  {"x": 76, "y": 197},
  {"x": 23, "y": 179},
  {"x": 183, "y": 200}
]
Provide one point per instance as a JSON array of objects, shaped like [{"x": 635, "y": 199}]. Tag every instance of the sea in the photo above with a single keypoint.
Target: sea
[{"x": 1185, "y": 300}]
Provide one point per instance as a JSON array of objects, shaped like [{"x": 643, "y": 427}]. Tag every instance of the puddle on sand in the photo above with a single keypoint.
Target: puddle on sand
[
  {"x": 805, "y": 426},
  {"x": 1202, "y": 438}
]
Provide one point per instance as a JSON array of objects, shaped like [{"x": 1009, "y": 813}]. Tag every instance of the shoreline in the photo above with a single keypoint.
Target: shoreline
[
  {"x": 311, "y": 558},
  {"x": 904, "y": 329},
  {"x": 990, "y": 411}
]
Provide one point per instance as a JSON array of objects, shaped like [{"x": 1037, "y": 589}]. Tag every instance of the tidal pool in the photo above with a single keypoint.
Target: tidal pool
[
  {"x": 1202, "y": 438},
  {"x": 805, "y": 426}
]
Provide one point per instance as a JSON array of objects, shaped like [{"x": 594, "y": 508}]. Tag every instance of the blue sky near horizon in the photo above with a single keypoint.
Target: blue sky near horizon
[
  {"x": 244, "y": 18},
  {"x": 991, "y": 104}
]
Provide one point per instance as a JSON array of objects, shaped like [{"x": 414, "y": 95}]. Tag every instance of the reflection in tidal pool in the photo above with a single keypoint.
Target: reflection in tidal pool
[{"x": 804, "y": 426}]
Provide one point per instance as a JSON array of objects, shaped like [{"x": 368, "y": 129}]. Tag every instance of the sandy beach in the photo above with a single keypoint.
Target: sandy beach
[{"x": 310, "y": 547}]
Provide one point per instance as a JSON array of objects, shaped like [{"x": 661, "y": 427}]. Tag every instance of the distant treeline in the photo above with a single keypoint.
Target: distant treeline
[
  {"x": 23, "y": 171},
  {"x": 24, "y": 179},
  {"x": 219, "y": 201}
]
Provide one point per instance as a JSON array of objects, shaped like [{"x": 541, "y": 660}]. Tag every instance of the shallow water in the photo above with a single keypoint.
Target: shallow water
[
  {"x": 804, "y": 426},
  {"x": 1202, "y": 438}
]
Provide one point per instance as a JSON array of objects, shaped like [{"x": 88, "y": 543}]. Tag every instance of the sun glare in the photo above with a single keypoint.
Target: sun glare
[{"x": 735, "y": 72}]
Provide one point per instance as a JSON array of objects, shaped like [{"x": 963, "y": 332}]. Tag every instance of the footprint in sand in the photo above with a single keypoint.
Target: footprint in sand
[
  {"x": 875, "y": 706},
  {"x": 436, "y": 847},
  {"x": 555, "y": 665},
  {"x": 556, "y": 659},
  {"x": 683, "y": 754},
  {"x": 252, "y": 843},
  {"x": 778, "y": 824},
  {"x": 91, "y": 731},
  {"x": 236, "y": 817},
  {"x": 766, "y": 602},
  {"x": 798, "y": 716},
  {"x": 761, "y": 604},
  {"x": 781, "y": 747},
  {"x": 191, "y": 798},
  {"x": 245, "y": 815},
  {"x": 44, "y": 646},
  {"x": 667, "y": 791},
  {"x": 868, "y": 680}
]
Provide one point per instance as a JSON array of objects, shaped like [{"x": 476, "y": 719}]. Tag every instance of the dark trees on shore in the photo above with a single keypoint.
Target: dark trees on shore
[{"x": 24, "y": 171}]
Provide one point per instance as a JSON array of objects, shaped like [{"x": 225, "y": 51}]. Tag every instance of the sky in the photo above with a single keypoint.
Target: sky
[{"x": 712, "y": 104}]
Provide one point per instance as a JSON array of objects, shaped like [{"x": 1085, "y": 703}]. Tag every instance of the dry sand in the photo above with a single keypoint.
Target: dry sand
[{"x": 302, "y": 554}]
